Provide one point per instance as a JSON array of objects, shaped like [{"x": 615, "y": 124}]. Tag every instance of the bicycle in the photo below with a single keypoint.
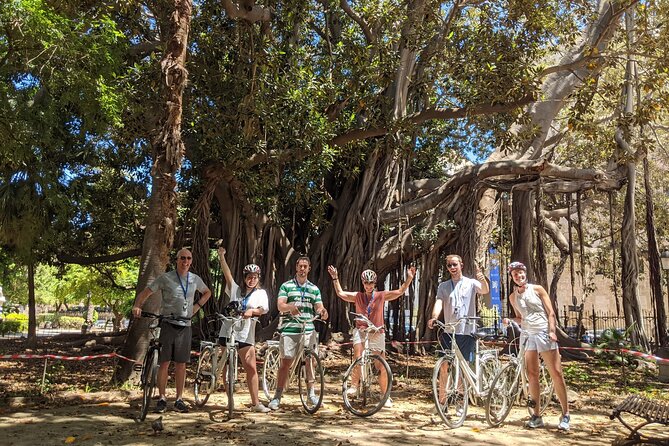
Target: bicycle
[
  {"x": 454, "y": 382},
  {"x": 149, "y": 367},
  {"x": 370, "y": 397},
  {"x": 310, "y": 370},
  {"x": 511, "y": 382},
  {"x": 213, "y": 361}
]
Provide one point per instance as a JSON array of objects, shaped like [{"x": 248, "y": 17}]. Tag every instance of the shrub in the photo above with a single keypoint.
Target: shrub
[
  {"x": 9, "y": 327},
  {"x": 19, "y": 320},
  {"x": 74, "y": 322}
]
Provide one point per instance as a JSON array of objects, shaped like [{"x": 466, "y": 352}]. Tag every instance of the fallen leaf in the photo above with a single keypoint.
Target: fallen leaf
[
  {"x": 106, "y": 403},
  {"x": 70, "y": 440}
]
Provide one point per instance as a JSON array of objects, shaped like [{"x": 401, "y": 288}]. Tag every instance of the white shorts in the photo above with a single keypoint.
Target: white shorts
[
  {"x": 539, "y": 342},
  {"x": 289, "y": 343},
  {"x": 377, "y": 341}
]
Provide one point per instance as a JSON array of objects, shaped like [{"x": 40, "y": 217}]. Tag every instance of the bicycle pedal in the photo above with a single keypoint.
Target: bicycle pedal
[
  {"x": 531, "y": 403},
  {"x": 137, "y": 367}
]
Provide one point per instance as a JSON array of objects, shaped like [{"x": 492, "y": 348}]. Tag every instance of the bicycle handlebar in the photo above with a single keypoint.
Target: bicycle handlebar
[
  {"x": 161, "y": 317},
  {"x": 370, "y": 325}
]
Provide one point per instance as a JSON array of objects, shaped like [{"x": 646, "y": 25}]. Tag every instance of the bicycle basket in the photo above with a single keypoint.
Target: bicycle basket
[{"x": 233, "y": 309}]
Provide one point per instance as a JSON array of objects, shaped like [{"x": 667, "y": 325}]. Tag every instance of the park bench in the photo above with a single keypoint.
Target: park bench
[{"x": 652, "y": 412}]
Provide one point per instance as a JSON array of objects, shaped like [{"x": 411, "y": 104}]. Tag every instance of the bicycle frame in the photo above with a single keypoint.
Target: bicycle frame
[{"x": 474, "y": 377}]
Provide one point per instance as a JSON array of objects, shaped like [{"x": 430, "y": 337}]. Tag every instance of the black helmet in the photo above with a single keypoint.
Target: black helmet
[{"x": 233, "y": 309}]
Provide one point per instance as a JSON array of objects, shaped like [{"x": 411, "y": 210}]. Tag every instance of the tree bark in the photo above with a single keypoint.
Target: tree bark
[
  {"x": 32, "y": 316},
  {"x": 168, "y": 153}
]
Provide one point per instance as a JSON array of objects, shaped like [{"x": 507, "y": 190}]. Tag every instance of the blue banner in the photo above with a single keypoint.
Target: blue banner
[{"x": 495, "y": 298}]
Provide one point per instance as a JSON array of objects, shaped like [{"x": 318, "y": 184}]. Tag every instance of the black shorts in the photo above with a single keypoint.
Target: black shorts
[
  {"x": 466, "y": 344},
  {"x": 175, "y": 343},
  {"x": 240, "y": 345}
]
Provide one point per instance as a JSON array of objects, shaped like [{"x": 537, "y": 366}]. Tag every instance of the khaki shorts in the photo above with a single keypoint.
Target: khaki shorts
[
  {"x": 377, "y": 341},
  {"x": 289, "y": 343},
  {"x": 539, "y": 342},
  {"x": 175, "y": 343}
]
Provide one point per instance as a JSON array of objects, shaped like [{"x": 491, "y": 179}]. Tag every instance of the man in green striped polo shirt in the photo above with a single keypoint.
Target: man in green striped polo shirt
[{"x": 302, "y": 299}]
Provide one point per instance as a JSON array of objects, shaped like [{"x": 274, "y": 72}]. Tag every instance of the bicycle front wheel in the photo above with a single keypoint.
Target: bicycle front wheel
[
  {"x": 270, "y": 372},
  {"x": 149, "y": 374},
  {"x": 204, "y": 377},
  {"x": 545, "y": 389},
  {"x": 488, "y": 368},
  {"x": 311, "y": 383},
  {"x": 450, "y": 390},
  {"x": 230, "y": 382},
  {"x": 373, "y": 390},
  {"x": 502, "y": 394}
]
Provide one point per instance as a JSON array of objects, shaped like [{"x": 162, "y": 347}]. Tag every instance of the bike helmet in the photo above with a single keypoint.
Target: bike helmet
[
  {"x": 251, "y": 268},
  {"x": 368, "y": 276},
  {"x": 233, "y": 309},
  {"x": 516, "y": 265}
]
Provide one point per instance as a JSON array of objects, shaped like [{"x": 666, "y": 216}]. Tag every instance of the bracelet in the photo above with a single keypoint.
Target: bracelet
[{"x": 336, "y": 278}]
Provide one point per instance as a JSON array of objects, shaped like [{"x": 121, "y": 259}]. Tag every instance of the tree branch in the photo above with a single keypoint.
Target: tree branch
[
  {"x": 81, "y": 260},
  {"x": 430, "y": 114},
  {"x": 359, "y": 20}
]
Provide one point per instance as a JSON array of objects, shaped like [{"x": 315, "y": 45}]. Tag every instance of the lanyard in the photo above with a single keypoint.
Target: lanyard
[
  {"x": 245, "y": 300},
  {"x": 369, "y": 305},
  {"x": 302, "y": 290},
  {"x": 185, "y": 290}
]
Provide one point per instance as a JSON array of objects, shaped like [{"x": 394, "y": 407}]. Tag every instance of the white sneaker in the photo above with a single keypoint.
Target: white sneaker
[
  {"x": 274, "y": 404},
  {"x": 314, "y": 399},
  {"x": 388, "y": 403},
  {"x": 352, "y": 391},
  {"x": 260, "y": 407},
  {"x": 564, "y": 423}
]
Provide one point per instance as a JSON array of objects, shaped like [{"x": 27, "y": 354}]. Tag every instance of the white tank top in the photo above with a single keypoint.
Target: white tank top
[{"x": 535, "y": 319}]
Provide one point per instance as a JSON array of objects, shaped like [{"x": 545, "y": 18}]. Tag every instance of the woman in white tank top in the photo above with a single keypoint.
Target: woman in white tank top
[{"x": 537, "y": 319}]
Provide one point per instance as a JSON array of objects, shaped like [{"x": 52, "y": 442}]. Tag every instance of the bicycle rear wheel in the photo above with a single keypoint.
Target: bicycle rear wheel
[
  {"x": 450, "y": 390},
  {"x": 270, "y": 372},
  {"x": 311, "y": 383},
  {"x": 370, "y": 396},
  {"x": 149, "y": 373},
  {"x": 488, "y": 368},
  {"x": 502, "y": 394},
  {"x": 204, "y": 377}
]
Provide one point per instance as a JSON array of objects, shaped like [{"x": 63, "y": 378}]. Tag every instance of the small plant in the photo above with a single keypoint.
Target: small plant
[{"x": 610, "y": 346}]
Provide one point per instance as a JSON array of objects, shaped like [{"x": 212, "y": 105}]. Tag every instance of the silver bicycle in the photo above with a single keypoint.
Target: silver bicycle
[
  {"x": 218, "y": 364},
  {"x": 370, "y": 395},
  {"x": 306, "y": 365},
  {"x": 511, "y": 384},
  {"x": 455, "y": 381}
]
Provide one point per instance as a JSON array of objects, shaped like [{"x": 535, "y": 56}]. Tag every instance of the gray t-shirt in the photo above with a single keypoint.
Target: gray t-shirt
[
  {"x": 178, "y": 294},
  {"x": 457, "y": 301}
]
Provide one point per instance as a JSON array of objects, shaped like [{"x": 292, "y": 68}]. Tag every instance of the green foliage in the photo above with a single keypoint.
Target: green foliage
[
  {"x": 71, "y": 322},
  {"x": 611, "y": 343},
  {"x": 15, "y": 322}
]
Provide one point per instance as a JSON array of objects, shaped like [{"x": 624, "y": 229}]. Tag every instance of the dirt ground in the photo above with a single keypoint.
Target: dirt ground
[{"x": 77, "y": 409}]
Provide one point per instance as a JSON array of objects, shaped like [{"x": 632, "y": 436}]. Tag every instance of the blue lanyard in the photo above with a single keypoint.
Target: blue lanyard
[
  {"x": 245, "y": 300},
  {"x": 369, "y": 305},
  {"x": 185, "y": 290},
  {"x": 302, "y": 290}
]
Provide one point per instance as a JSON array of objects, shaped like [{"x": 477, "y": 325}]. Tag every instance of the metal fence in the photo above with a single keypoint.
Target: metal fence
[{"x": 588, "y": 325}]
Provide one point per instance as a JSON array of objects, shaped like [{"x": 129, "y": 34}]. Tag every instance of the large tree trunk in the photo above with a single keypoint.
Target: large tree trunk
[
  {"x": 629, "y": 257},
  {"x": 168, "y": 153},
  {"x": 654, "y": 262}
]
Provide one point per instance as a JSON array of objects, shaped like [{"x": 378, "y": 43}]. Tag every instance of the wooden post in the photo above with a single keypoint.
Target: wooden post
[{"x": 41, "y": 391}]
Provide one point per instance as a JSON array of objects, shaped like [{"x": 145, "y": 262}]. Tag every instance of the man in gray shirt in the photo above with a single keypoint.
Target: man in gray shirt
[{"x": 178, "y": 292}]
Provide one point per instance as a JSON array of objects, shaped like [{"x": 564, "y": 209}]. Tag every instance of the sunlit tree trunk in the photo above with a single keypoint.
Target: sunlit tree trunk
[{"x": 168, "y": 153}]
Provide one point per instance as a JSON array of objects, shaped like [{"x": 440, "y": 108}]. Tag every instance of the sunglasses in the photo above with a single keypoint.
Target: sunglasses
[
  {"x": 185, "y": 258},
  {"x": 453, "y": 265}
]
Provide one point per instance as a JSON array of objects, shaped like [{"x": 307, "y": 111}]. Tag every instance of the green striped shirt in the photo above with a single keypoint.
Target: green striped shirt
[{"x": 305, "y": 298}]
